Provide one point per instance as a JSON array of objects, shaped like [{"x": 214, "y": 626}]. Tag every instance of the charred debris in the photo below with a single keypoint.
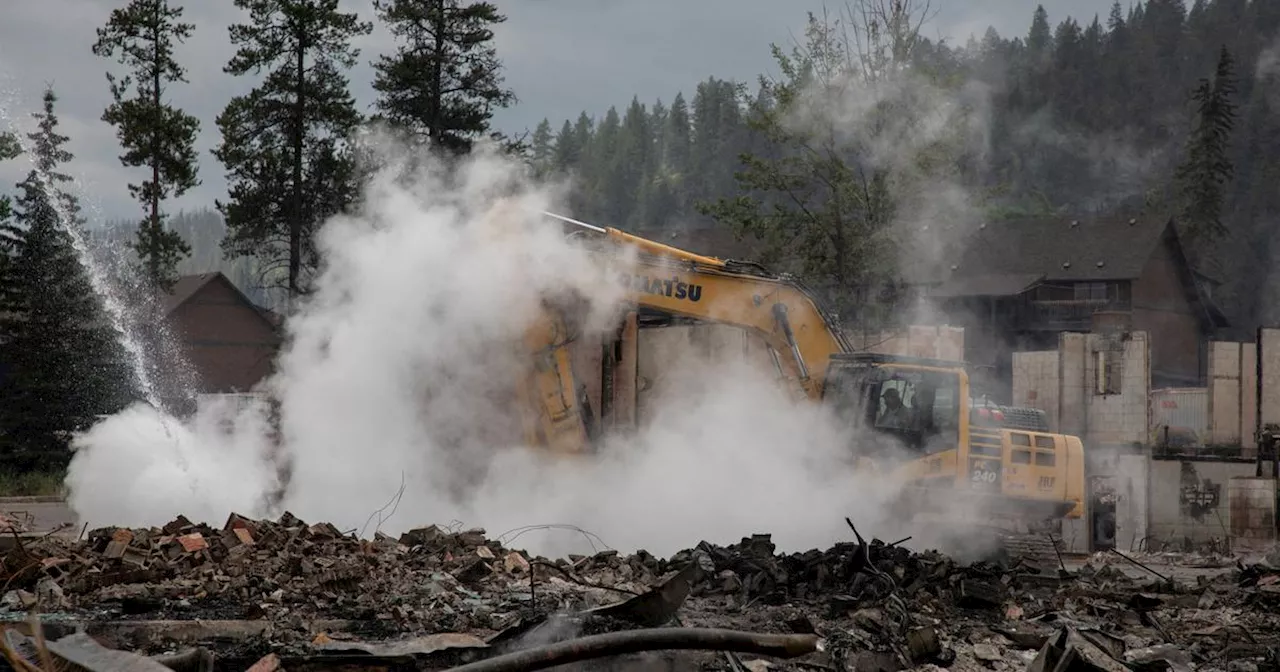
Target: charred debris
[{"x": 287, "y": 595}]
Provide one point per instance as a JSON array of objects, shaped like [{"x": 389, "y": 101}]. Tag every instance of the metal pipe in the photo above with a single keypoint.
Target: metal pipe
[
  {"x": 591, "y": 227},
  {"x": 643, "y": 244},
  {"x": 780, "y": 314},
  {"x": 650, "y": 639}
]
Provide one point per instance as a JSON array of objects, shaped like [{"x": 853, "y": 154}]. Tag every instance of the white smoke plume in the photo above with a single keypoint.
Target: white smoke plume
[{"x": 394, "y": 374}]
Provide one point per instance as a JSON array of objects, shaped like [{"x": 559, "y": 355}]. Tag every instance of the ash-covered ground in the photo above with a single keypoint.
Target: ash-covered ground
[{"x": 440, "y": 597}]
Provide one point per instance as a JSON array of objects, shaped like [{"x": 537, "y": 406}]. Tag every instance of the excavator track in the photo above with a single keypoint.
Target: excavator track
[
  {"x": 1035, "y": 550},
  {"x": 969, "y": 542}
]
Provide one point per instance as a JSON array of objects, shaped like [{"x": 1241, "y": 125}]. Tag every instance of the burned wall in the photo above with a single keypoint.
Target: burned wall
[
  {"x": 1093, "y": 386},
  {"x": 1188, "y": 501},
  {"x": 1251, "y": 503}
]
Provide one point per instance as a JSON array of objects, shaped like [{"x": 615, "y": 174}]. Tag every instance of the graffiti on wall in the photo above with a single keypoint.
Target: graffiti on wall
[{"x": 1197, "y": 496}]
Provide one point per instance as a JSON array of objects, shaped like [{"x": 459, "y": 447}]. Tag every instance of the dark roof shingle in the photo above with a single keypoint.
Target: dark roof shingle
[{"x": 1053, "y": 249}]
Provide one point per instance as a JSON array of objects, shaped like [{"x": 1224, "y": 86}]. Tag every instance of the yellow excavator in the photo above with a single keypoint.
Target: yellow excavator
[{"x": 915, "y": 419}]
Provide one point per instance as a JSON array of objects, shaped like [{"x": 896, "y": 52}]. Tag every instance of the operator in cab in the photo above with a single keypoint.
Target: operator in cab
[{"x": 896, "y": 415}]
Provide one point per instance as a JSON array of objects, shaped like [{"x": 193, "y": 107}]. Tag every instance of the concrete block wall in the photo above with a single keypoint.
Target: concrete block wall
[
  {"x": 1035, "y": 382},
  {"x": 1225, "y": 379},
  {"x": 1252, "y": 512},
  {"x": 1073, "y": 356},
  {"x": 1233, "y": 395},
  {"x": 1064, "y": 384},
  {"x": 932, "y": 342},
  {"x": 1119, "y": 419},
  {"x": 1132, "y": 484},
  {"x": 1270, "y": 387},
  {"x": 1187, "y": 500}
]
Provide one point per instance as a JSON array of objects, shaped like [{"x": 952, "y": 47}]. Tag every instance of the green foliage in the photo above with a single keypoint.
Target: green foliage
[
  {"x": 1206, "y": 170},
  {"x": 813, "y": 206},
  {"x": 444, "y": 81},
  {"x": 40, "y": 483},
  {"x": 63, "y": 365},
  {"x": 152, "y": 132},
  {"x": 10, "y": 148},
  {"x": 542, "y": 148},
  {"x": 285, "y": 144}
]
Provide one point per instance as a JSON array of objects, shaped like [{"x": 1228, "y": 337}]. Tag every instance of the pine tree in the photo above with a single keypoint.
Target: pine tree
[
  {"x": 64, "y": 365},
  {"x": 1039, "y": 38},
  {"x": 285, "y": 143},
  {"x": 9, "y": 146},
  {"x": 543, "y": 148},
  {"x": 1206, "y": 170},
  {"x": 444, "y": 82},
  {"x": 677, "y": 133},
  {"x": 567, "y": 151},
  {"x": 152, "y": 132}
]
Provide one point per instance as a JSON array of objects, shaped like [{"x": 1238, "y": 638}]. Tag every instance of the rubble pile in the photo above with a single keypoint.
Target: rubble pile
[{"x": 878, "y": 606}]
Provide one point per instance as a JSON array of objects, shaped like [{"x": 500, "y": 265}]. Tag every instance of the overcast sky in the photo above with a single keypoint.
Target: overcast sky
[{"x": 561, "y": 57}]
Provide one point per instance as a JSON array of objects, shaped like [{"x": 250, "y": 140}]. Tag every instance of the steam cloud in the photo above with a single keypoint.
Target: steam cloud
[{"x": 393, "y": 375}]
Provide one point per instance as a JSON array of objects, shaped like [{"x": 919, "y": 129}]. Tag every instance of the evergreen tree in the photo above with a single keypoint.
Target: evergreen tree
[
  {"x": 64, "y": 365},
  {"x": 1206, "y": 170},
  {"x": 567, "y": 151},
  {"x": 542, "y": 148},
  {"x": 9, "y": 146},
  {"x": 445, "y": 81},
  {"x": 152, "y": 132},
  {"x": 285, "y": 144},
  {"x": 677, "y": 133},
  {"x": 817, "y": 211},
  {"x": 1039, "y": 38},
  {"x": 1084, "y": 116}
]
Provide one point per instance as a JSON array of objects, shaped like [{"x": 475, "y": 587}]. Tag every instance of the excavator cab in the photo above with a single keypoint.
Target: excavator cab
[{"x": 899, "y": 410}]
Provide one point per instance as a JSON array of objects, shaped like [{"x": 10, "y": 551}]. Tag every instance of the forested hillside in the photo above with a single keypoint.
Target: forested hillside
[{"x": 1079, "y": 117}]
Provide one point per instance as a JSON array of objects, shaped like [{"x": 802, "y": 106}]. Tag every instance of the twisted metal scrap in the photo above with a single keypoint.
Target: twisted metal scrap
[{"x": 653, "y": 639}]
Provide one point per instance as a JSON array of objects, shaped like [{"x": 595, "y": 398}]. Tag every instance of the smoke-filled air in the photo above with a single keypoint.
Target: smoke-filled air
[
  {"x": 389, "y": 394},
  {"x": 854, "y": 335}
]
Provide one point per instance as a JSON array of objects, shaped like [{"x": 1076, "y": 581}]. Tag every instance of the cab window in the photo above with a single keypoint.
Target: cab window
[{"x": 919, "y": 406}]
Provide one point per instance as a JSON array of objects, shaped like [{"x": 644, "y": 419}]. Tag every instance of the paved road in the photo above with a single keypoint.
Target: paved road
[{"x": 41, "y": 516}]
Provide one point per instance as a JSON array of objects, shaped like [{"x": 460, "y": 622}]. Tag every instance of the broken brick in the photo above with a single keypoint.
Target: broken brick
[
  {"x": 193, "y": 542},
  {"x": 515, "y": 563},
  {"x": 268, "y": 663}
]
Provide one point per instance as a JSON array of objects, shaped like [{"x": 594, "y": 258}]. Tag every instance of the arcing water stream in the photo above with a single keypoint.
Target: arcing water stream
[
  {"x": 107, "y": 291},
  {"x": 97, "y": 277}
]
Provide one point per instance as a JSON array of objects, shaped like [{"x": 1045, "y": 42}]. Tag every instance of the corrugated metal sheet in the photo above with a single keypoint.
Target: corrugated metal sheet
[{"x": 1184, "y": 408}]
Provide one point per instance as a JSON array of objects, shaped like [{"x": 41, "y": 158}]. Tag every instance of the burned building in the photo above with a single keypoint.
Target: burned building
[{"x": 1016, "y": 284}]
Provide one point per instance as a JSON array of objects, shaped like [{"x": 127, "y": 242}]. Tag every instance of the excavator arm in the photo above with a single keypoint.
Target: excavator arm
[{"x": 784, "y": 314}]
